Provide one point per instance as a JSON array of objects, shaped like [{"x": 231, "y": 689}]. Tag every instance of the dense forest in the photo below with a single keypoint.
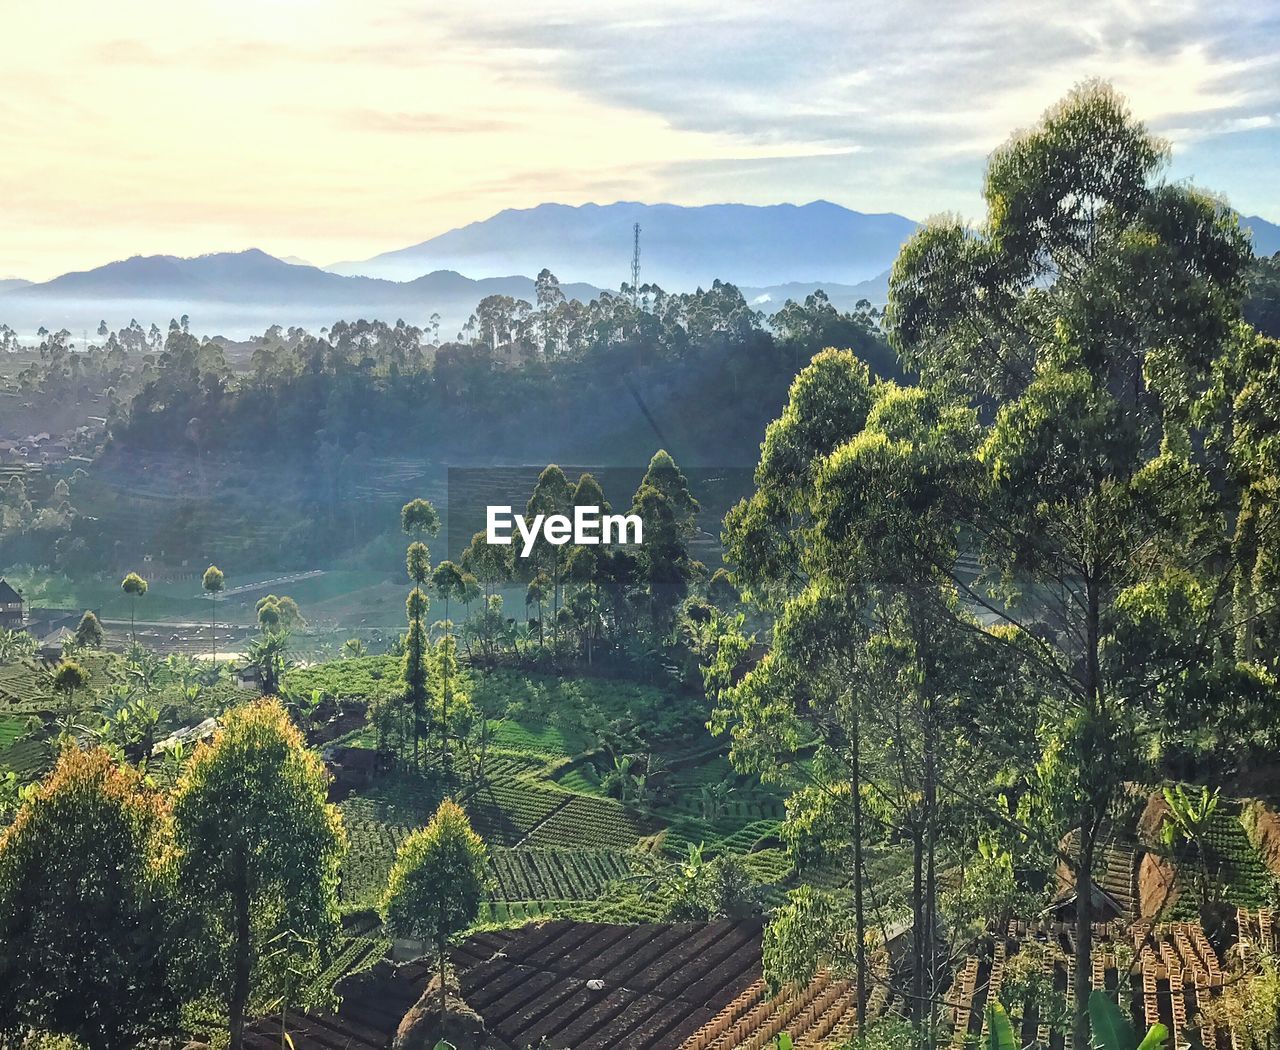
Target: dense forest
[{"x": 283, "y": 431}]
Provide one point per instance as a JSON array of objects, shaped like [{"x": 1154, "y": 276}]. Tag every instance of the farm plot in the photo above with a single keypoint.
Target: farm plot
[
  {"x": 503, "y": 765},
  {"x": 555, "y": 874},
  {"x": 538, "y": 740},
  {"x": 502, "y": 913},
  {"x": 366, "y": 864},
  {"x": 590, "y": 823},
  {"x": 354, "y": 954},
  {"x": 23, "y": 690},
  {"x": 504, "y": 812},
  {"x": 769, "y": 865},
  {"x": 12, "y": 728},
  {"x": 404, "y": 801},
  {"x": 1233, "y": 864},
  {"x": 28, "y": 758},
  {"x": 361, "y": 678},
  {"x": 719, "y": 836}
]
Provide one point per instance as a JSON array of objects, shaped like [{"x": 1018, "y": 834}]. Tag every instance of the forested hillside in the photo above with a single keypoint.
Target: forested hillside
[{"x": 262, "y": 453}]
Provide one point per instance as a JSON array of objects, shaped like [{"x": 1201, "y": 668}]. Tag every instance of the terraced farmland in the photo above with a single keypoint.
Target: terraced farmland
[
  {"x": 366, "y": 864},
  {"x": 22, "y": 690},
  {"x": 11, "y": 728},
  {"x": 555, "y": 874},
  {"x": 543, "y": 740},
  {"x": 590, "y": 823},
  {"x": 504, "y": 812},
  {"x": 28, "y": 757}
]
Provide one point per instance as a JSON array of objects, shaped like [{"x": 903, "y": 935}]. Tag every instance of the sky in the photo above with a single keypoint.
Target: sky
[{"x": 335, "y": 129}]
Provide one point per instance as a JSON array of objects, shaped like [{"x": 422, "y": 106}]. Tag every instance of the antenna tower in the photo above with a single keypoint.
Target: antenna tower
[{"x": 635, "y": 265}]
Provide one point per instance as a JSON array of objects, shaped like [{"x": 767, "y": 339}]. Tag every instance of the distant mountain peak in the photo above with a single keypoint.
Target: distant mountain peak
[{"x": 681, "y": 246}]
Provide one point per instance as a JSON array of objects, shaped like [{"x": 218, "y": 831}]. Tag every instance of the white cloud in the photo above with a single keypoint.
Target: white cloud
[{"x": 337, "y": 128}]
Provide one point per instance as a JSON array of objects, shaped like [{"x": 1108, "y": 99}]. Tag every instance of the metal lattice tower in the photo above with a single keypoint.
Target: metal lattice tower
[{"x": 635, "y": 266}]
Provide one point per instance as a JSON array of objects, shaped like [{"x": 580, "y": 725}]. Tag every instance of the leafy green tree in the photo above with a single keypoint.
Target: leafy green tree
[
  {"x": 1249, "y": 406},
  {"x": 89, "y": 632},
  {"x": 436, "y": 884},
  {"x": 418, "y": 518},
  {"x": 536, "y": 595},
  {"x": 552, "y": 494},
  {"x": 69, "y": 677},
  {"x": 490, "y": 563},
  {"x": 450, "y": 696},
  {"x": 268, "y": 658},
  {"x": 1095, "y": 382},
  {"x": 278, "y": 613},
  {"x": 669, "y": 512},
  {"x": 259, "y": 849},
  {"x": 843, "y": 540},
  {"x": 448, "y": 584},
  {"x": 1262, "y": 303},
  {"x": 135, "y": 587},
  {"x": 417, "y": 646},
  {"x": 213, "y": 582},
  {"x": 86, "y": 890}
]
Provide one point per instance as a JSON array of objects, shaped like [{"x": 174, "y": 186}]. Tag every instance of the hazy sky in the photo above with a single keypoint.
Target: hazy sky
[{"x": 335, "y": 129}]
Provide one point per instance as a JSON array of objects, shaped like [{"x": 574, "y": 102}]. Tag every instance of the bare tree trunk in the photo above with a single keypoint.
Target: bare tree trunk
[
  {"x": 859, "y": 918},
  {"x": 917, "y": 924},
  {"x": 444, "y": 717},
  {"x": 1090, "y": 821},
  {"x": 930, "y": 882},
  {"x": 444, "y": 994},
  {"x": 240, "y": 964}
]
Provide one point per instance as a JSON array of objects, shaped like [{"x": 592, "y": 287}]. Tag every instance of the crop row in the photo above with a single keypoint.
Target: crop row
[
  {"x": 590, "y": 823},
  {"x": 19, "y": 684},
  {"x": 373, "y": 847},
  {"x": 544, "y": 741},
  {"x": 12, "y": 728},
  {"x": 27, "y": 757},
  {"x": 554, "y": 874},
  {"x": 354, "y": 954},
  {"x": 626, "y": 909},
  {"x": 503, "y": 812},
  {"x": 503, "y": 912},
  {"x": 692, "y": 831},
  {"x": 403, "y": 802},
  {"x": 768, "y": 865},
  {"x": 503, "y": 765}
]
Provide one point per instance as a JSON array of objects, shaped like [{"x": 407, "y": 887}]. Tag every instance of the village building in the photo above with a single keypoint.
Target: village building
[{"x": 11, "y": 608}]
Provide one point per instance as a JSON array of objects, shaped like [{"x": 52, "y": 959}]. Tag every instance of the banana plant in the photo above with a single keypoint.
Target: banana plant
[
  {"x": 1112, "y": 1030},
  {"x": 999, "y": 1030},
  {"x": 1188, "y": 821}
]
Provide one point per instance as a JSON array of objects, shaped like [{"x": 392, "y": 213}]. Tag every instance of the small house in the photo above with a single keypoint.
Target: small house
[
  {"x": 53, "y": 646},
  {"x": 11, "y": 608}
]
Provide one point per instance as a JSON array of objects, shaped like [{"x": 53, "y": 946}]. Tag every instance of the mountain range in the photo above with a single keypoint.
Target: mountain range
[
  {"x": 680, "y": 247},
  {"x": 772, "y": 253}
]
